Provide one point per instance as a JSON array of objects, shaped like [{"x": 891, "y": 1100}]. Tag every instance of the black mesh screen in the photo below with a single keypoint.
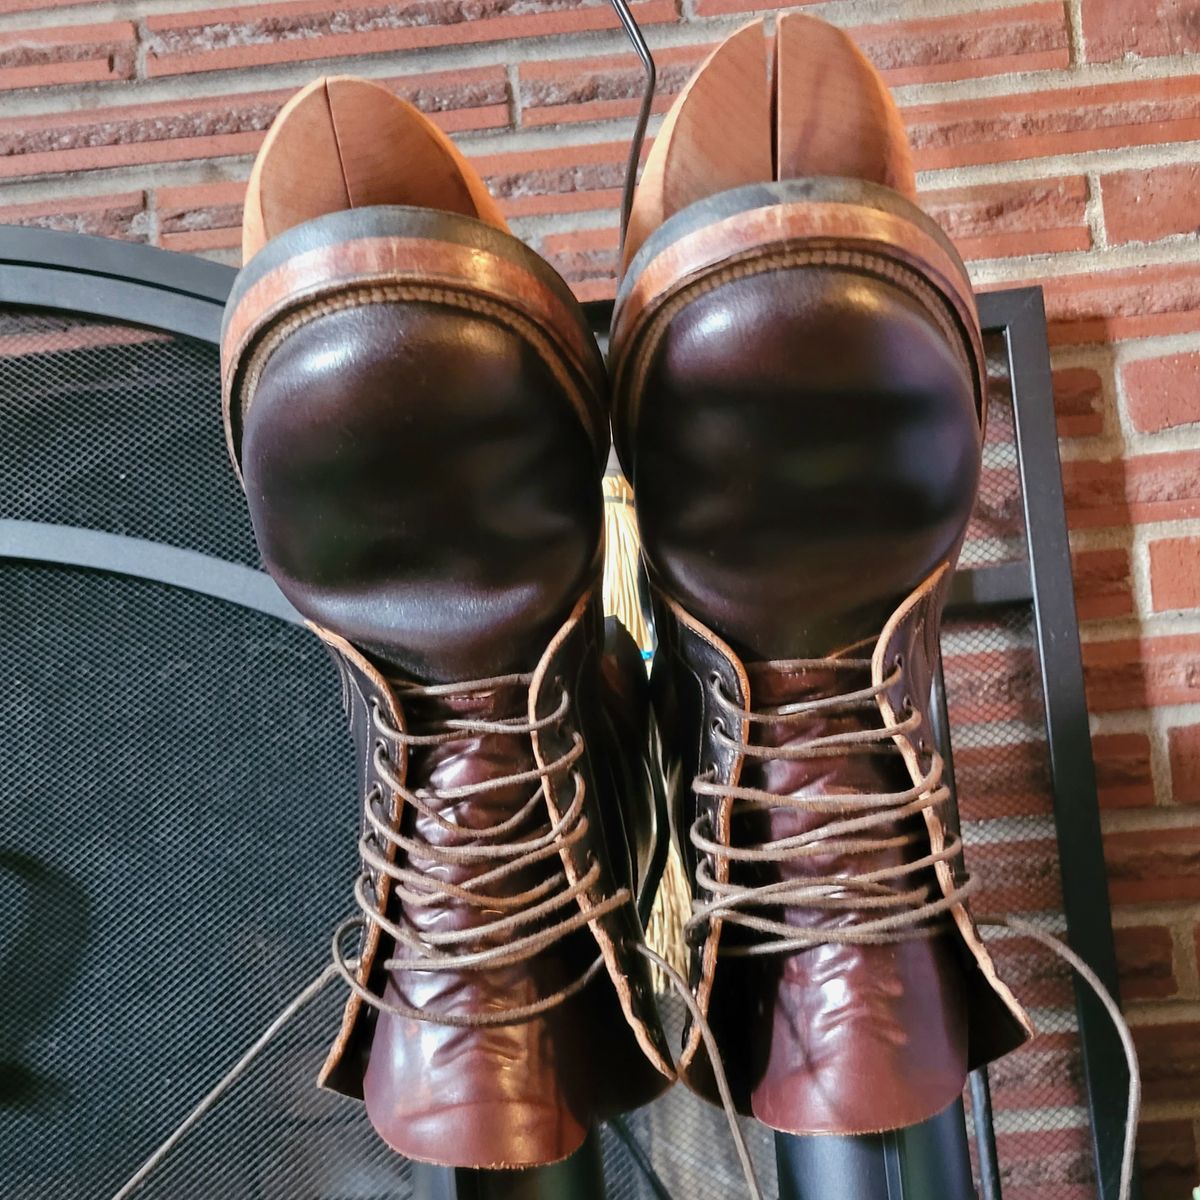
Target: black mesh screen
[
  {"x": 997, "y": 531},
  {"x": 177, "y": 818},
  {"x": 176, "y": 800},
  {"x": 119, "y": 429}
]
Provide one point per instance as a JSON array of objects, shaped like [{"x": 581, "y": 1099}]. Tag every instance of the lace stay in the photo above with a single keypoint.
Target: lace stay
[
  {"x": 531, "y": 920},
  {"x": 886, "y": 904}
]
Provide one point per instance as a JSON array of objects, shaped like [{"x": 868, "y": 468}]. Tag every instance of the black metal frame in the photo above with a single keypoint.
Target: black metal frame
[
  {"x": 184, "y": 295},
  {"x": 1045, "y": 582}
]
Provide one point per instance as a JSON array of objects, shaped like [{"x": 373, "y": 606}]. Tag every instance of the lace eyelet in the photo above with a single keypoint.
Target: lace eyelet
[
  {"x": 717, "y": 725},
  {"x": 907, "y": 705}
]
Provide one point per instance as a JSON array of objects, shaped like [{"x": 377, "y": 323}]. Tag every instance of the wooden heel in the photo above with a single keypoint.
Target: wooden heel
[
  {"x": 345, "y": 143},
  {"x": 717, "y": 135},
  {"x": 833, "y": 113}
]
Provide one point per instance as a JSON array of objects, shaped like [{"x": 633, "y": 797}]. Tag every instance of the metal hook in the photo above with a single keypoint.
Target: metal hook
[{"x": 634, "y": 32}]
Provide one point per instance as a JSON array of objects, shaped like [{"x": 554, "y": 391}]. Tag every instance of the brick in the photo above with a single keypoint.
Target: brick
[
  {"x": 1103, "y": 588},
  {"x": 992, "y": 685},
  {"x": 966, "y": 45},
  {"x": 586, "y": 259},
  {"x": 1131, "y": 674},
  {"x": 1008, "y": 780},
  {"x": 1124, "y": 778},
  {"x": 1153, "y": 866},
  {"x": 559, "y": 179},
  {"x": 1043, "y": 216},
  {"x": 1169, "y": 1055},
  {"x": 1068, "y": 120},
  {"x": 1183, "y": 742},
  {"x": 175, "y": 131},
  {"x": 1078, "y": 402},
  {"x": 1037, "y": 976},
  {"x": 311, "y": 30},
  {"x": 1108, "y": 306},
  {"x": 1017, "y": 876},
  {"x": 1036, "y": 1164},
  {"x": 1046, "y": 1074},
  {"x": 1168, "y": 1165},
  {"x": 1111, "y": 305},
  {"x": 597, "y": 89},
  {"x": 1163, "y": 393},
  {"x": 1175, "y": 573},
  {"x": 32, "y": 58},
  {"x": 1140, "y": 28},
  {"x": 117, "y": 216},
  {"x": 1146, "y": 204},
  {"x": 1145, "y": 962},
  {"x": 1121, "y": 492},
  {"x": 998, "y": 518},
  {"x": 201, "y": 218},
  {"x": 15, "y": 6}
]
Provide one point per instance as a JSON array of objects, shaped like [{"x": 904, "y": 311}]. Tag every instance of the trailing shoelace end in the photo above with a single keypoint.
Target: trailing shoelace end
[{"x": 834, "y": 955}]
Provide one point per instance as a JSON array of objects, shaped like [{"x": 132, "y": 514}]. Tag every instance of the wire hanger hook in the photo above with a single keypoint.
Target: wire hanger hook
[{"x": 634, "y": 32}]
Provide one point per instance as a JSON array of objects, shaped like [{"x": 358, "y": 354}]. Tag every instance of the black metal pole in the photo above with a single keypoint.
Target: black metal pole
[
  {"x": 923, "y": 1162},
  {"x": 985, "y": 1135},
  {"x": 580, "y": 1177}
]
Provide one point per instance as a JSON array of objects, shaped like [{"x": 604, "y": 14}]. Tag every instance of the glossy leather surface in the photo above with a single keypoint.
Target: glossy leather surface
[
  {"x": 807, "y": 436},
  {"x": 443, "y": 518},
  {"x": 509, "y": 1095},
  {"x": 805, "y": 453},
  {"x": 837, "y": 1038},
  {"x": 424, "y": 490}
]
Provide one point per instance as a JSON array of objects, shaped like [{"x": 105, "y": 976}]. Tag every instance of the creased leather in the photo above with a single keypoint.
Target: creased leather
[
  {"x": 804, "y": 440},
  {"x": 427, "y": 493}
]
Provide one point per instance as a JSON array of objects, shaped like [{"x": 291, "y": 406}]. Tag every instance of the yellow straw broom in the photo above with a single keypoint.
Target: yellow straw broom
[{"x": 622, "y": 554}]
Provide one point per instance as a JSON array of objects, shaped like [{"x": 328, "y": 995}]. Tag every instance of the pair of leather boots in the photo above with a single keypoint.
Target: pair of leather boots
[{"x": 795, "y": 387}]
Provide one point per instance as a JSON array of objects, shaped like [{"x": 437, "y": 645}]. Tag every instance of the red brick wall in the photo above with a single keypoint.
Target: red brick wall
[{"x": 1059, "y": 143}]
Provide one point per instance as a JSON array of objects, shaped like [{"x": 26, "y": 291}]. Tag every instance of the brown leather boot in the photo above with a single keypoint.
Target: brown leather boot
[
  {"x": 416, "y": 408},
  {"x": 798, "y": 384}
]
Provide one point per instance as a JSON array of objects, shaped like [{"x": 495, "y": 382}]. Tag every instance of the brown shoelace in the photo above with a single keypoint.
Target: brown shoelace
[
  {"x": 554, "y": 894},
  {"x": 531, "y": 920},
  {"x": 886, "y": 904}
]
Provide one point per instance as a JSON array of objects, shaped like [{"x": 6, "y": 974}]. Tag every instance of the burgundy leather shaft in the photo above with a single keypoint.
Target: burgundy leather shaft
[
  {"x": 422, "y": 464},
  {"x": 802, "y": 430}
]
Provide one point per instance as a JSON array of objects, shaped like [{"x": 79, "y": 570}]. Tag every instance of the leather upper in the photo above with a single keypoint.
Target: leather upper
[
  {"x": 417, "y": 425},
  {"x": 798, "y": 406}
]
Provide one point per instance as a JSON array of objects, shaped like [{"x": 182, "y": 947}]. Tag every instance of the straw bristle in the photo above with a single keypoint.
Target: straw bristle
[{"x": 622, "y": 552}]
